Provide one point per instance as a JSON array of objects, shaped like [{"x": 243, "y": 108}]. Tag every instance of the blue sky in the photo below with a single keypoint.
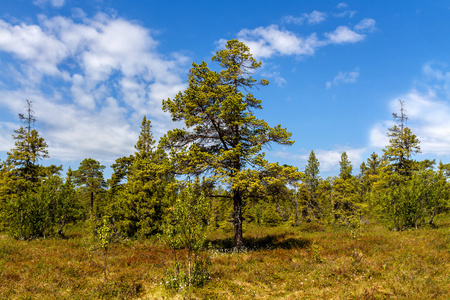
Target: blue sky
[{"x": 93, "y": 69}]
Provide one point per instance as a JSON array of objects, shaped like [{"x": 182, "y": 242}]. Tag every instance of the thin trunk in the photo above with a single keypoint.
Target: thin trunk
[
  {"x": 106, "y": 278},
  {"x": 92, "y": 204},
  {"x": 61, "y": 227},
  {"x": 296, "y": 208},
  {"x": 433, "y": 214},
  {"x": 237, "y": 219},
  {"x": 189, "y": 259}
]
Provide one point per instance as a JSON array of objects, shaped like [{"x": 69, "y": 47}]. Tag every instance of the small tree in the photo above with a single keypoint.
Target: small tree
[
  {"x": 399, "y": 196},
  {"x": 104, "y": 236},
  {"x": 312, "y": 181},
  {"x": 346, "y": 199},
  {"x": 402, "y": 144},
  {"x": 90, "y": 175},
  {"x": 68, "y": 206},
  {"x": 31, "y": 213},
  {"x": 345, "y": 167},
  {"x": 186, "y": 229},
  {"x": 271, "y": 216}
]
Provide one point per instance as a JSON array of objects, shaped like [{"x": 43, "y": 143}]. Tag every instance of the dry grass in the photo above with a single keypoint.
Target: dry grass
[{"x": 279, "y": 263}]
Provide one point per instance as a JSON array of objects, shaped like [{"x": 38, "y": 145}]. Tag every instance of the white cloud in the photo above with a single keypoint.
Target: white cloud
[
  {"x": 315, "y": 17},
  {"x": 266, "y": 42},
  {"x": 294, "y": 20},
  {"x": 6, "y": 130},
  {"x": 55, "y": 3},
  {"x": 428, "y": 109},
  {"x": 343, "y": 34},
  {"x": 342, "y": 5},
  {"x": 329, "y": 160},
  {"x": 349, "y": 13},
  {"x": 108, "y": 73},
  {"x": 30, "y": 43},
  {"x": 377, "y": 135},
  {"x": 279, "y": 80},
  {"x": 366, "y": 25},
  {"x": 343, "y": 77}
]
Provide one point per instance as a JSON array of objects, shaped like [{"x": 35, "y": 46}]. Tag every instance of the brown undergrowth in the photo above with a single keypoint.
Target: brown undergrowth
[{"x": 277, "y": 263}]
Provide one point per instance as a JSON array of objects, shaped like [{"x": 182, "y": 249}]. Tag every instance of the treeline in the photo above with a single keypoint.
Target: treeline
[{"x": 220, "y": 153}]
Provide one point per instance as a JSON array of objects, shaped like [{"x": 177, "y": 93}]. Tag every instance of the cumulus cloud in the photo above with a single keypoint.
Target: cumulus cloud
[
  {"x": 367, "y": 25},
  {"x": 268, "y": 41},
  {"x": 108, "y": 73},
  {"x": 342, "y": 35},
  {"x": 30, "y": 43},
  {"x": 428, "y": 109},
  {"x": 329, "y": 159},
  {"x": 315, "y": 17},
  {"x": 55, "y": 3},
  {"x": 6, "y": 129},
  {"x": 343, "y": 77}
]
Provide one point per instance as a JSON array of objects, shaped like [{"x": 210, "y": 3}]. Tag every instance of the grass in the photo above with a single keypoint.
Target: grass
[{"x": 279, "y": 263}]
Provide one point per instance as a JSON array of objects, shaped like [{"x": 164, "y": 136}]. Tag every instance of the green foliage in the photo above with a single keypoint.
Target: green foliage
[
  {"x": 187, "y": 222},
  {"x": 34, "y": 201},
  {"x": 414, "y": 202},
  {"x": 186, "y": 229},
  {"x": 315, "y": 252},
  {"x": 311, "y": 209},
  {"x": 28, "y": 149},
  {"x": 345, "y": 167},
  {"x": 104, "y": 235},
  {"x": 271, "y": 216},
  {"x": 402, "y": 145},
  {"x": 89, "y": 175},
  {"x": 41, "y": 210},
  {"x": 345, "y": 196},
  {"x": 222, "y": 136},
  {"x": 141, "y": 203},
  {"x": 346, "y": 202},
  {"x": 408, "y": 192},
  {"x": 121, "y": 169},
  {"x": 68, "y": 208}
]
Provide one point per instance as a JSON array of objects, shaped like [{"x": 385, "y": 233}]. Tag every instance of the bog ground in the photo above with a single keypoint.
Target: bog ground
[{"x": 310, "y": 262}]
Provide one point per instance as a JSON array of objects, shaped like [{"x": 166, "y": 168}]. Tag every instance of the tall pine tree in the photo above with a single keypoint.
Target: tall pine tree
[{"x": 223, "y": 137}]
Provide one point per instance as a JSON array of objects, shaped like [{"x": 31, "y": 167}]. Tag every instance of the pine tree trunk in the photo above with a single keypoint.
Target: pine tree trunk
[
  {"x": 237, "y": 220},
  {"x": 92, "y": 205}
]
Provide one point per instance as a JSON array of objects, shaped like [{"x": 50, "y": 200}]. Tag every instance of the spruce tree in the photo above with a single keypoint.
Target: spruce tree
[
  {"x": 312, "y": 180},
  {"x": 271, "y": 216},
  {"x": 29, "y": 192},
  {"x": 404, "y": 192},
  {"x": 29, "y": 149},
  {"x": 346, "y": 198},
  {"x": 345, "y": 167},
  {"x": 144, "y": 198},
  {"x": 403, "y": 144}
]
